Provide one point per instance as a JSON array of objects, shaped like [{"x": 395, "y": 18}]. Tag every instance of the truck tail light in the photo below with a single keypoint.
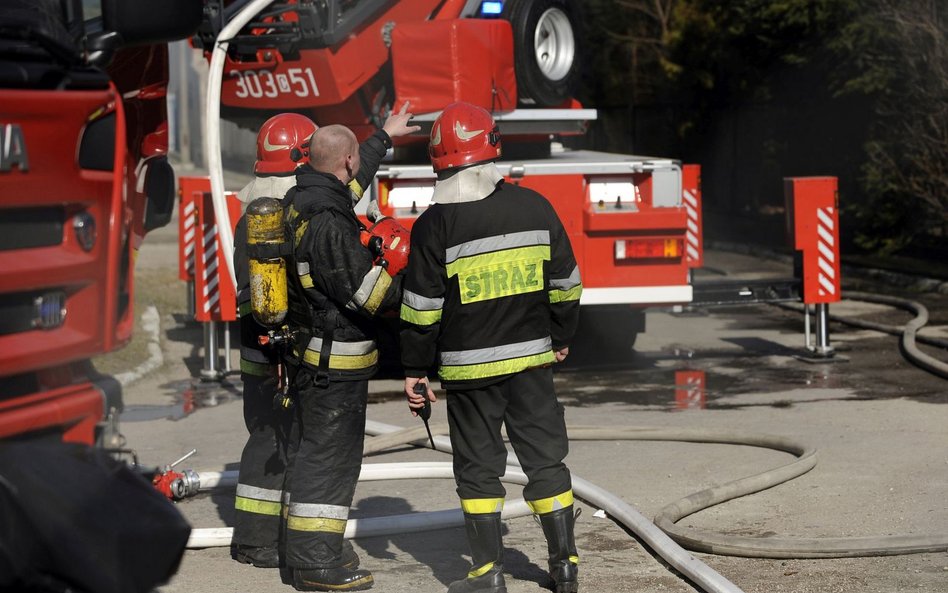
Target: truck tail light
[{"x": 635, "y": 249}]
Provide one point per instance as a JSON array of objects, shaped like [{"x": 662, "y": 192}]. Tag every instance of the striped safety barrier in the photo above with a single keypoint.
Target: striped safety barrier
[
  {"x": 827, "y": 252},
  {"x": 691, "y": 197},
  {"x": 815, "y": 219},
  {"x": 216, "y": 299},
  {"x": 190, "y": 190}
]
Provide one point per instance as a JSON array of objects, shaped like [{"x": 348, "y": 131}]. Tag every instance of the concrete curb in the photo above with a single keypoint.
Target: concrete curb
[{"x": 151, "y": 324}]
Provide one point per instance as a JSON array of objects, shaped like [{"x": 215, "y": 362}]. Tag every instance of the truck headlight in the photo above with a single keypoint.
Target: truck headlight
[{"x": 84, "y": 226}]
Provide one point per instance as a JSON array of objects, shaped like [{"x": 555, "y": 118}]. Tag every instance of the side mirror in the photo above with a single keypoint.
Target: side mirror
[
  {"x": 159, "y": 193},
  {"x": 143, "y": 22},
  {"x": 102, "y": 46}
]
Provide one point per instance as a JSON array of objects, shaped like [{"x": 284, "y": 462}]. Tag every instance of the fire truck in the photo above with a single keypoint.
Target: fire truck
[
  {"x": 84, "y": 175},
  {"x": 633, "y": 221}
]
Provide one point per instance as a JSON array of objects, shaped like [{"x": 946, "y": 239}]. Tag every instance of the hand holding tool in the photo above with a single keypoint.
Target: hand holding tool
[{"x": 424, "y": 413}]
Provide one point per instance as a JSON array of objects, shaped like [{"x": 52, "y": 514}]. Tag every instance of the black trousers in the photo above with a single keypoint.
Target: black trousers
[
  {"x": 263, "y": 460},
  {"x": 325, "y": 460},
  {"x": 263, "y": 464},
  {"x": 527, "y": 405}
]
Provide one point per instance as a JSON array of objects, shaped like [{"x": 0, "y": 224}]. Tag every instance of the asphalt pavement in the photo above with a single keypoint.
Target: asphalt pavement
[{"x": 879, "y": 426}]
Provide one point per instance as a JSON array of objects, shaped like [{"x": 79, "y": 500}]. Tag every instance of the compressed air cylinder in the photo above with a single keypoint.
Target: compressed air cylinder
[{"x": 268, "y": 298}]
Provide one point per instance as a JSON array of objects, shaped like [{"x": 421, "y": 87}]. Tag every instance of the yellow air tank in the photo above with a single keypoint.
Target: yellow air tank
[{"x": 268, "y": 297}]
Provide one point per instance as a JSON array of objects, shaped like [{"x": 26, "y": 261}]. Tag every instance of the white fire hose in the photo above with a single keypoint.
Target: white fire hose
[
  {"x": 698, "y": 572},
  {"x": 212, "y": 128}
]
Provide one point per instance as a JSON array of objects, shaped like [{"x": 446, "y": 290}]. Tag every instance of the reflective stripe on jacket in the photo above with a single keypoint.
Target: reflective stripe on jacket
[{"x": 491, "y": 284}]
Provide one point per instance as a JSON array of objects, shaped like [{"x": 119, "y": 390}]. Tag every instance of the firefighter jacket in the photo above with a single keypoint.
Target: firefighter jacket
[
  {"x": 491, "y": 284},
  {"x": 254, "y": 358},
  {"x": 337, "y": 289}
]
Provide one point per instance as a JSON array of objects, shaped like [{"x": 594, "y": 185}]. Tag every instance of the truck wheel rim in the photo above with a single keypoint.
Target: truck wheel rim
[{"x": 554, "y": 44}]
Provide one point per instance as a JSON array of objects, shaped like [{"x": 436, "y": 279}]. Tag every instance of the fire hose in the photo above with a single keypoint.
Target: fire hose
[
  {"x": 908, "y": 332},
  {"x": 663, "y": 536},
  {"x": 701, "y": 574}
]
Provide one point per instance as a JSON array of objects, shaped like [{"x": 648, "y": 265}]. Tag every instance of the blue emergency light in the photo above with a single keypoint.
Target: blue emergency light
[{"x": 489, "y": 9}]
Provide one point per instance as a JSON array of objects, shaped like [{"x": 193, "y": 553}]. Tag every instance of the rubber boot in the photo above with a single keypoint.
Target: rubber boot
[
  {"x": 332, "y": 579},
  {"x": 350, "y": 558},
  {"x": 487, "y": 556},
  {"x": 269, "y": 557},
  {"x": 561, "y": 544},
  {"x": 259, "y": 556}
]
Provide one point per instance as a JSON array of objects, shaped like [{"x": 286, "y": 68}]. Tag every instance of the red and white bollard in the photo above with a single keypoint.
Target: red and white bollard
[
  {"x": 813, "y": 208},
  {"x": 691, "y": 198},
  {"x": 190, "y": 190},
  {"x": 690, "y": 391},
  {"x": 216, "y": 299}
]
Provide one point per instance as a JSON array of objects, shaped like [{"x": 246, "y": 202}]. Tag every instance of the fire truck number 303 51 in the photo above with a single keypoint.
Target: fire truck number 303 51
[{"x": 264, "y": 83}]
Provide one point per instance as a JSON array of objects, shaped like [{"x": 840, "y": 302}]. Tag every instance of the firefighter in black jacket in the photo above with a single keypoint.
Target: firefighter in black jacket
[
  {"x": 493, "y": 287},
  {"x": 283, "y": 144},
  {"x": 334, "y": 295},
  {"x": 263, "y": 460}
]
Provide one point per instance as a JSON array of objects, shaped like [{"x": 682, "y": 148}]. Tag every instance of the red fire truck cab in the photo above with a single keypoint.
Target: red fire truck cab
[{"x": 83, "y": 176}]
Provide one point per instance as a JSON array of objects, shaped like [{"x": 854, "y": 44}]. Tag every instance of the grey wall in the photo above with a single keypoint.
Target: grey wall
[{"x": 187, "y": 92}]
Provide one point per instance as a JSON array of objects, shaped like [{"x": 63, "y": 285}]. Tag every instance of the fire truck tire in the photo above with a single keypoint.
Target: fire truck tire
[{"x": 546, "y": 49}]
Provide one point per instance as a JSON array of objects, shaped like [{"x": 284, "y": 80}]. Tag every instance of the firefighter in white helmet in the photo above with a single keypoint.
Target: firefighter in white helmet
[
  {"x": 493, "y": 288},
  {"x": 282, "y": 147}
]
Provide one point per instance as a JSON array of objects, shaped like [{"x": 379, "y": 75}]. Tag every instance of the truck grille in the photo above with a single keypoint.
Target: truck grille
[{"x": 25, "y": 228}]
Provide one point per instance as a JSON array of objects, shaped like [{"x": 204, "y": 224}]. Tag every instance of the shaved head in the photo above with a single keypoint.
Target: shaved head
[{"x": 335, "y": 149}]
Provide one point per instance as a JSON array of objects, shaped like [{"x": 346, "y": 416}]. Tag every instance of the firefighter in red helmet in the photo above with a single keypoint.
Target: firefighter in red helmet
[
  {"x": 283, "y": 146},
  {"x": 493, "y": 289}
]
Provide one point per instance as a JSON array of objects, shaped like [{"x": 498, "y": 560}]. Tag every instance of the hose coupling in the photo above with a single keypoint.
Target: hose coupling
[{"x": 185, "y": 485}]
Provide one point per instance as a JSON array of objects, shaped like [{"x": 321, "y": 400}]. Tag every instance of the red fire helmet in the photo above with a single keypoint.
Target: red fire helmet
[
  {"x": 464, "y": 134},
  {"x": 283, "y": 143},
  {"x": 390, "y": 241}
]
